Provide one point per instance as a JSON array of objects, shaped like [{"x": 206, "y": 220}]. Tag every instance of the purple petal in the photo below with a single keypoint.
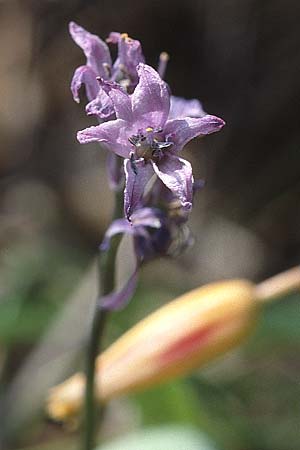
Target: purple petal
[
  {"x": 146, "y": 217},
  {"x": 140, "y": 219},
  {"x": 176, "y": 174},
  {"x": 118, "y": 226},
  {"x": 181, "y": 131},
  {"x": 101, "y": 106},
  {"x": 151, "y": 99},
  {"x": 113, "y": 134},
  {"x": 95, "y": 50},
  {"x": 135, "y": 184},
  {"x": 118, "y": 299},
  {"x": 120, "y": 100},
  {"x": 84, "y": 75},
  {"x": 129, "y": 54},
  {"x": 181, "y": 108},
  {"x": 158, "y": 194}
]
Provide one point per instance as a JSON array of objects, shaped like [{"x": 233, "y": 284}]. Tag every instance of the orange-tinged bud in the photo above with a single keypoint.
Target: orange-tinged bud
[{"x": 182, "y": 335}]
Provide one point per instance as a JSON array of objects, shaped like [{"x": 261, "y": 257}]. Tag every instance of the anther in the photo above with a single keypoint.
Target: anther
[{"x": 162, "y": 64}]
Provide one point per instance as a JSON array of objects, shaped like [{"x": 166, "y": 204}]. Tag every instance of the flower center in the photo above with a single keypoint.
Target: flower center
[{"x": 148, "y": 146}]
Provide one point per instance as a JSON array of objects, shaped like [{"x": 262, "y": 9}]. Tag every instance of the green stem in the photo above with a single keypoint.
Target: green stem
[{"x": 106, "y": 285}]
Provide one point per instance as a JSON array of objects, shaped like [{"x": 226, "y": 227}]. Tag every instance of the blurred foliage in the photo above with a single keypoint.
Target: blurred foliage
[
  {"x": 34, "y": 295},
  {"x": 162, "y": 438}
]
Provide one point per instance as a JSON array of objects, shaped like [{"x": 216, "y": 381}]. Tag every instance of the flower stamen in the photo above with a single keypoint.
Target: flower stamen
[{"x": 147, "y": 146}]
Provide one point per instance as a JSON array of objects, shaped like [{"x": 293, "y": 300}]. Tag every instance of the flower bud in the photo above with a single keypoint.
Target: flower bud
[{"x": 183, "y": 335}]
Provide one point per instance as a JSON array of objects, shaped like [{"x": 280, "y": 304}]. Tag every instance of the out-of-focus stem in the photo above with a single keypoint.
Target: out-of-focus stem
[
  {"x": 279, "y": 285},
  {"x": 94, "y": 346},
  {"x": 106, "y": 285}
]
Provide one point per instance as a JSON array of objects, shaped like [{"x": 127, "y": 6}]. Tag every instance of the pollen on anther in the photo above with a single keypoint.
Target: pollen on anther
[
  {"x": 149, "y": 129},
  {"x": 125, "y": 37},
  {"x": 164, "y": 56}
]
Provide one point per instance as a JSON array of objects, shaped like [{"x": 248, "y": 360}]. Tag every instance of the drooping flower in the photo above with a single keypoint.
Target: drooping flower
[
  {"x": 147, "y": 139},
  {"x": 158, "y": 228},
  {"x": 145, "y": 226},
  {"x": 99, "y": 64}
]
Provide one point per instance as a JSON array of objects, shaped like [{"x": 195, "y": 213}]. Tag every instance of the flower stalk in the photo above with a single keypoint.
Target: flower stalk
[
  {"x": 106, "y": 286},
  {"x": 93, "y": 348}
]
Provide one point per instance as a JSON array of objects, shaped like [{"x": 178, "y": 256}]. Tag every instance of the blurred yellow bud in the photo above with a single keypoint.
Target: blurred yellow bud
[{"x": 179, "y": 337}]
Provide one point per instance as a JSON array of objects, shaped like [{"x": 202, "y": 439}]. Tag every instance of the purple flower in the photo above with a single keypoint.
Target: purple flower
[
  {"x": 158, "y": 228},
  {"x": 180, "y": 108},
  {"x": 99, "y": 64},
  {"x": 155, "y": 233},
  {"x": 129, "y": 56},
  {"x": 148, "y": 140},
  {"x": 143, "y": 223}
]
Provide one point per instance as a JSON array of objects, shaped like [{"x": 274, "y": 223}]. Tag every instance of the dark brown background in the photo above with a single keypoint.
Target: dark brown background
[{"x": 241, "y": 58}]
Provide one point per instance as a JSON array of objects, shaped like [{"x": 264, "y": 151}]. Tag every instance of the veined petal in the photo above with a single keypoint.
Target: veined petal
[
  {"x": 136, "y": 182},
  {"x": 181, "y": 131},
  {"x": 176, "y": 174},
  {"x": 84, "y": 75},
  {"x": 101, "y": 106},
  {"x": 113, "y": 134},
  {"x": 95, "y": 50},
  {"x": 150, "y": 99},
  {"x": 181, "y": 108},
  {"x": 119, "y": 98}
]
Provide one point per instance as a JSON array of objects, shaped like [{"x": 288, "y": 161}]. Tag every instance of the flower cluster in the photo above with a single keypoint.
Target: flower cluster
[{"x": 140, "y": 122}]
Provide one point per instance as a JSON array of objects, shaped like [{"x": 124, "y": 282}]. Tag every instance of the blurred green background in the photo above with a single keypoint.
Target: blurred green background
[{"x": 242, "y": 60}]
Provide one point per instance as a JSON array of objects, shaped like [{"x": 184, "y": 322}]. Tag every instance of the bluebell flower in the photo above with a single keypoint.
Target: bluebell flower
[
  {"x": 147, "y": 139},
  {"x": 99, "y": 64},
  {"x": 158, "y": 228}
]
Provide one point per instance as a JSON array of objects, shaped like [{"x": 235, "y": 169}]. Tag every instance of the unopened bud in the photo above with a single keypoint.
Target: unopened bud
[{"x": 179, "y": 337}]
